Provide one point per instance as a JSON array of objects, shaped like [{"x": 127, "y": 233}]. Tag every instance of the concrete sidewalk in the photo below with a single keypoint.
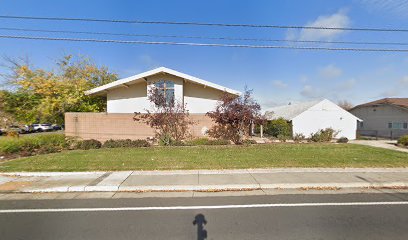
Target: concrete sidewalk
[
  {"x": 205, "y": 180},
  {"x": 387, "y": 144}
]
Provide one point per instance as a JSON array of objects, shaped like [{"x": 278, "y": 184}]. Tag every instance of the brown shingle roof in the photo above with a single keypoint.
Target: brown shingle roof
[{"x": 400, "y": 102}]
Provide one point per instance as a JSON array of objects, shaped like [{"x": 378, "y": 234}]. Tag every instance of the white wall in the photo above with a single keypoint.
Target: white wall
[
  {"x": 198, "y": 98},
  {"x": 324, "y": 115}
]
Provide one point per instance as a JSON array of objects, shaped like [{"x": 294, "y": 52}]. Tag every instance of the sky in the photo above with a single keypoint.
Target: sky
[{"x": 277, "y": 76}]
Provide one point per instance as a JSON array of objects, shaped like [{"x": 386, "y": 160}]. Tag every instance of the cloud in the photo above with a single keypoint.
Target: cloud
[
  {"x": 311, "y": 92},
  {"x": 336, "y": 20},
  {"x": 398, "y": 90},
  {"x": 279, "y": 84},
  {"x": 398, "y": 7},
  {"x": 346, "y": 85},
  {"x": 330, "y": 72}
]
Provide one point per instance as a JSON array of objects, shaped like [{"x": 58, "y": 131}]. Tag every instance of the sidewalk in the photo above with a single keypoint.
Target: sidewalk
[
  {"x": 205, "y": 180},
  {"x": 387, "y": 144}
]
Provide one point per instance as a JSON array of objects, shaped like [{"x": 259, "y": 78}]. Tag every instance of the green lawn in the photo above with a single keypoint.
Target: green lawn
[{"x": 212, "y": 157}]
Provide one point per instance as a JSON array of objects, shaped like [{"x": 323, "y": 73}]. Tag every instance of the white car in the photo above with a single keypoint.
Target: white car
[{"x": 42, "y": 127}]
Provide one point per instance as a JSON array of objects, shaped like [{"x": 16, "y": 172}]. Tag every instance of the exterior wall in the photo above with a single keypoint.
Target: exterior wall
[
  {"x": 198, "y": 98},
  {"x": 105, "y": 126},
  {"x": 326, "y": 115},
  {"x": 376, "y": 120}
]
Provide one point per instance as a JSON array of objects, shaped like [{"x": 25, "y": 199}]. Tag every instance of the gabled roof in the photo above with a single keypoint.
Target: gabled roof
[
  {"x": 289, "y": 112},
  {"x": 142, "y": 76},
  {"x": 399, "y": 102}
]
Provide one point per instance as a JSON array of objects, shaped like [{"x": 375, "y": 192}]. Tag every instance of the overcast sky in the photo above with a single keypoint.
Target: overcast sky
[{"x": 277, "y": 76}]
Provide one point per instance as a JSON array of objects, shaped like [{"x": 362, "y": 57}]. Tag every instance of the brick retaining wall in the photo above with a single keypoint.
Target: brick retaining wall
[{"x": 105, "y": 126}]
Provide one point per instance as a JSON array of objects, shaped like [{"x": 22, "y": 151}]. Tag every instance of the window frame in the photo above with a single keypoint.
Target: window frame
[{"x": 163, "y": 88}]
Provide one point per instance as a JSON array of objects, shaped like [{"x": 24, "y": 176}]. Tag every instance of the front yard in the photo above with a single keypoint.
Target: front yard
[{"x": 211, "y": 157}]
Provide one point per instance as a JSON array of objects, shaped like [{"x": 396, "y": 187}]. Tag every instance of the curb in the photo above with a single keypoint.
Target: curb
[{"x": 246, "y": 187}]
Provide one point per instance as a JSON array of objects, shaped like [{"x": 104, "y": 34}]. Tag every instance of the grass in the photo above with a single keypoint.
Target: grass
[{"x": 211, "y": 157}]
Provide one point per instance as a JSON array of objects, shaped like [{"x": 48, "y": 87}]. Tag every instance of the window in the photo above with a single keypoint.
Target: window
[
  {"x": 361, "y": 124},
  {"x": 167, "y": 89},
  {"x": 397, "y": 125}
]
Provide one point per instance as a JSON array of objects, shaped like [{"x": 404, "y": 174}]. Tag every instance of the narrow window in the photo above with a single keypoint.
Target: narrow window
[
  {"x": 389, "y": 125},
  {"x": 405, "y": 125},
  {"x": 166, "y": 88}
]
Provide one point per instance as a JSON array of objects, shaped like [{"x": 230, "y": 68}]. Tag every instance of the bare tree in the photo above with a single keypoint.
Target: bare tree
[{"x": 346, "y": 105}]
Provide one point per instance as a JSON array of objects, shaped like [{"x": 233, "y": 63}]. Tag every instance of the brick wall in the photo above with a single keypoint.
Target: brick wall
[{"x": 105, "y": 126}]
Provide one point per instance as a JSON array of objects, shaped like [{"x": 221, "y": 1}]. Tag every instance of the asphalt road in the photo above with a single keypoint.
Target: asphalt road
[{"x": 363, "y": 216}]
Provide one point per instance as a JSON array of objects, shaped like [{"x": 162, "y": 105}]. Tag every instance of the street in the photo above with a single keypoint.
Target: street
[{"x": 296, "y": 216}]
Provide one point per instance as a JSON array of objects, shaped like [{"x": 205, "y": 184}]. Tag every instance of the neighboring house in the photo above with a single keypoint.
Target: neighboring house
[
  {"x": 129, "y": 95},
  {"x": 310, "y": 117},
  {"x": 386, "y": 117}
]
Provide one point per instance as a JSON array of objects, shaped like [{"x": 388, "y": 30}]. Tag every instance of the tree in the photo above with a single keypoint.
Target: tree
[
  {"x": 234, "y": 116},
  {"x": 279, "y": 127},
  {"x": 39, "y": 95},
  {"x": 346, "y": 105},
  {"x": 169, "y": 118}
]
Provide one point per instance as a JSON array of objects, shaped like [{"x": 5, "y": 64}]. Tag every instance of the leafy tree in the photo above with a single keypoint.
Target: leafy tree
[
  {"x": 168, "y": 117},
  {"x": 234, "y": 116},
  {"x": 39, "y": 95},
  {"x": 279, "y": 127}
]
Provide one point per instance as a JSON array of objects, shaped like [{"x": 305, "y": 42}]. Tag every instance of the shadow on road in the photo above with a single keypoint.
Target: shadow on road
[{"x": 200, "y": 221}]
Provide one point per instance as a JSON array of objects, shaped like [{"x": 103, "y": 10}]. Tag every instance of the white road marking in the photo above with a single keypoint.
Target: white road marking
[{"x": 271, "y": 205}]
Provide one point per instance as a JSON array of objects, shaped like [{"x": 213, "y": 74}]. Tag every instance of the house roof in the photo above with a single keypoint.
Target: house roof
[
  {"x": 399, "y": 102},
  {"x": 289, "y": 111},
  {"x": 142, "y": 76}
]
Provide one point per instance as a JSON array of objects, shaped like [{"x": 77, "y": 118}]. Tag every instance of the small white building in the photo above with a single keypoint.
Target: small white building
[
  {"x": 310, "y": 117},
  {"x": 129, "y": 95}
]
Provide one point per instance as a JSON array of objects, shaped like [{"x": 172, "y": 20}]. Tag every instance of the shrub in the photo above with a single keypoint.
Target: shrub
[
  {"x": 403, "y": 140},
  {"x": 89, "y": 144},
  {"x": 278, "y": 127},
  {"x": 125, "y": 143},
  {"x": 33, "y": 144},
  {"x": 14, "y": 134},
  {"x": 342, "y": 140},
  {"x": 219, "y": 142},
  {"x": 197, "y": 141},
  {"x": 323, "y": 135},
  {"x": 298, "y": 137},
  {"x": 249, "y": 141}
]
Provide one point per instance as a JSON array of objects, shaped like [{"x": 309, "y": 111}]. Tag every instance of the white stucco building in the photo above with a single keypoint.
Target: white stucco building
[
  {"x": 310, "y": 117},
  {"x": 129, "y": 95}
]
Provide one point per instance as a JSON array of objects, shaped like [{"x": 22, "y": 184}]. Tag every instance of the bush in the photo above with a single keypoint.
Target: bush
[
  {"x": 403, "y": 141},
  {"x": 125, "y": 143},
  {"x": 342, "y": 140},
  {"x": 324, "y": 135},
  {"x": 89, "y": 144},
  {"x": 298, "y": 137},
  {"x": 249, "y": 141},
  {"x": 283, "y": 138},
  {"x": 33, "y": 144},
  {"x": 278, "y": 127},
  {"x": 206, "y": 141}
]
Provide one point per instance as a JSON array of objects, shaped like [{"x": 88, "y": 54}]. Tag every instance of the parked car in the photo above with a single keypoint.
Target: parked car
[
  {"x": 56, "y": 127},
  {"x": 15, "y": 128},
  {"x": 28, "y": 129},
  {"x": 2, "y": 131},
  {"x": 42, "y": 127}
]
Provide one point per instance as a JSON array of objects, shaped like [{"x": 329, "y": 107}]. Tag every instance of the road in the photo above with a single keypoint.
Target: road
[{"x": 331, "y": 216}]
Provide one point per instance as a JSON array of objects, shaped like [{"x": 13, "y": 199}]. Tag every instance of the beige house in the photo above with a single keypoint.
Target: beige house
[
  {"x": 386, "y": 117},
  {"x": 129, "y": 95}
]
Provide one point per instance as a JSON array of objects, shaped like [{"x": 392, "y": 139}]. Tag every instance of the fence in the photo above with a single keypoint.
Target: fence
[
  {"x": 388, "y": 134},
  {"x": 105, "y": 126}
]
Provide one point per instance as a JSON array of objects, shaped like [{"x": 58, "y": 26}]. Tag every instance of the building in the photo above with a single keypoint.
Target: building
[
  {"x": 129, "y": 95},
  {"x": 310, "y": 117},
  {"x": 386, "y": 117}
]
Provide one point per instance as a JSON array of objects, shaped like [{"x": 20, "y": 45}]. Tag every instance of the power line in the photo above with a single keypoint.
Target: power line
[
  {"x": 204, "y": 24},
  {"x": 204, "y": 44},
  {"x": 201, "y": 37}
]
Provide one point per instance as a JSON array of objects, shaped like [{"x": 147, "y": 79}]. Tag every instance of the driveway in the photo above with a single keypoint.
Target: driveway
[{"x": 388, "y": 144}]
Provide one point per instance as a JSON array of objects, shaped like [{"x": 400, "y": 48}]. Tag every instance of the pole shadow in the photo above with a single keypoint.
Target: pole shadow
[{"x": 200, "y": 221}]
